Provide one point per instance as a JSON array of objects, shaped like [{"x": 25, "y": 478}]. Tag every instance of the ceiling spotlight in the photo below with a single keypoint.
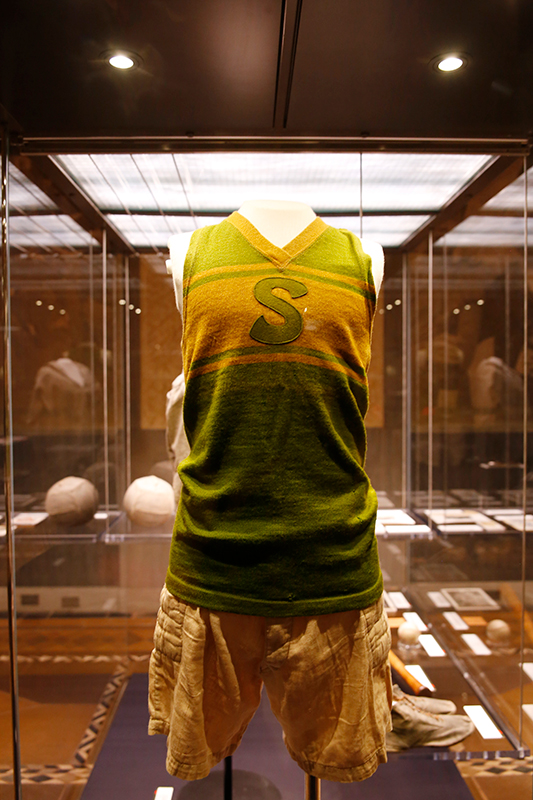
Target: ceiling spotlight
[
  {"x": 121, "y": 61},
  {"x": 450, "y": 63}
]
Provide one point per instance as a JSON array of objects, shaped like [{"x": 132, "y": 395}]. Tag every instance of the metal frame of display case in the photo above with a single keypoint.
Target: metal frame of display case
[{"x": 32, "y": 156}]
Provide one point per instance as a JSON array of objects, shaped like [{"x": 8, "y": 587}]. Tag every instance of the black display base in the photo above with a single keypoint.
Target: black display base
[
  {"x": 131, "y": 765},
  {"x": 245, "y": 786}
]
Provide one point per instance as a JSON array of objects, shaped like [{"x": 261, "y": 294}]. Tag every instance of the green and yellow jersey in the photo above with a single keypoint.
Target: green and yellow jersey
[{"x": 277, "y": 514}]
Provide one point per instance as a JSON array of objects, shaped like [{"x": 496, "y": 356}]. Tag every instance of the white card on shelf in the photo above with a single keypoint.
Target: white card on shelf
[
  {"x": 431, "y": 646},
  {"x": 410, "y": 529},
  {"x": 476, "y": 644},
  {"x": 164, "y": 793},
  {"x": 483, "y": 722},
  {"x": 527, "y": 666},
  {"x": 399, "y": 600},
  {"x": 461, "y": 527},
  {"x": 528, "y": 709},
  {"x": 414, "y": 619},
  {"x": 455, "y": 620},
  {"x": 28, "y": 519},
  {"x": 417, "y": 672},
  {"x": 516, "y": 521},
  {"x": 380, "y": 528},
  {"x": 438, "y": 600},
  {"x": 394, "y": 516},
  {"x": 506, "y": 512}
]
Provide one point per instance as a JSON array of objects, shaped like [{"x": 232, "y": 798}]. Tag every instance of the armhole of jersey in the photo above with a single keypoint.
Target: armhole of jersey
[{"x": 187, "y": 270}]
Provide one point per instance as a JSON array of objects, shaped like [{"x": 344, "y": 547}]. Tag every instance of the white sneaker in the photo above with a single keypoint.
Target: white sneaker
[
  {"x": 412, "y": 727},
  {"x": 430, "y": 704}
]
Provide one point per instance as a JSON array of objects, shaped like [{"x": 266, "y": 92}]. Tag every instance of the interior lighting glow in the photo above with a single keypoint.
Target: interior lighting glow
[
  {"x": 457, "y": 311},
  {"x": 62, "y": 311},
  {"x": 38, "y": 302},
  {"x": 450, "y": 63},
  {"x": 121, "y": 61},
  {"x": 483, "y": 722},
  {"x": 481, "y": 302},
  {"x": 397, "y": 302},
  {"x": 122, "y": 302},
  {"x": 131, "y": 307},
  {"x": 51, "y": 307},
  {"x": 468, "y": 307},
  {"x": 137, "y": 310},
  {"x": 389, "y": 307}
]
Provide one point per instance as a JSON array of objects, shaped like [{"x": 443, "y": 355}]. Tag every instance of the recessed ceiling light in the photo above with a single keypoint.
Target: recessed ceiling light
[
  {"x": 450, "y": 62},
  {"x": 121, "y": 61}
]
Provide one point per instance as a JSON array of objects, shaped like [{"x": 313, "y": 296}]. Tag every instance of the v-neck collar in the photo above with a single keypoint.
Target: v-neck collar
[{"x": 278, "y": 255}]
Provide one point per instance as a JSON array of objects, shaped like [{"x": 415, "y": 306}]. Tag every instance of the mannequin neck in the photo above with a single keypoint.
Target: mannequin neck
[{"x": 279, "y": 221}]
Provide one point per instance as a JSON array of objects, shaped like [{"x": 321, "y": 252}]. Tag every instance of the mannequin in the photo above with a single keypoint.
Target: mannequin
[
  {"x": 279, "y": 221},
  {"x": 274, "y": 574}
]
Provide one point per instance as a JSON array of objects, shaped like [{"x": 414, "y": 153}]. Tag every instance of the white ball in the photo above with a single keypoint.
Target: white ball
[
  {"x": 498, "y": 631},
  {"x": 408, "y": 634},
  {"x": 72, "y": 501},
  {"x": 149, "y": 501}
]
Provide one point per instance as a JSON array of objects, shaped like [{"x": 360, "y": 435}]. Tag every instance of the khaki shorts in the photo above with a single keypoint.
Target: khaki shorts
[{"x": 327, "y": 678}]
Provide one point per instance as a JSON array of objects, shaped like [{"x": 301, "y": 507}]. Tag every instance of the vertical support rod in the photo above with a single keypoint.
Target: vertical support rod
[
  {"x": 312, "y": 787},
  {"x": 228, "y": 778},
  {"x": 92, "y": 351},
  {"x": 430, "y": 370},
  {"x": 524, "y": 459},
  {"x": 104, "y": 374},
  {"x": 8, "y": 467},
  {"x": 406, "y": 386},
  {"x": 127, "y": 334}
]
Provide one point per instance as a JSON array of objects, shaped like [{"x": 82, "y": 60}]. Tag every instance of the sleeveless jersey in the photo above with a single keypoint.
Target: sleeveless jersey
[{"x": 277, "y": 515}]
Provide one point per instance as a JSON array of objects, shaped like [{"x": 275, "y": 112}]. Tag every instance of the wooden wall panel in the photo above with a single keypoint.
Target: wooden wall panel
[{"x": 160, "y": 340}]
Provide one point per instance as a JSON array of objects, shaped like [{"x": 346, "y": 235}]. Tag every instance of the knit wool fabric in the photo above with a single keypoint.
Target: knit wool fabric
[{"x": 277, "y": 515}]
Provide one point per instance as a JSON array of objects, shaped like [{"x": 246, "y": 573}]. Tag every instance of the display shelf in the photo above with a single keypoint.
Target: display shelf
[{"x": 491, "y": 669}]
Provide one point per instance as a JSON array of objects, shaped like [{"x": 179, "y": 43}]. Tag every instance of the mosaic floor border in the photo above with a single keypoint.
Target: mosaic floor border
[{"x": 78, "y": 772}]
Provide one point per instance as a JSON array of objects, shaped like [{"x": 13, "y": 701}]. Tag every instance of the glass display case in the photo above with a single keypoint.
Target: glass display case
[{"x": 95, "y": 346}]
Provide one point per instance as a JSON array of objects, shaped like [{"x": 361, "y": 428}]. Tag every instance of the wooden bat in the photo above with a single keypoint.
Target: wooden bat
[{"x": 400, "y": 668}]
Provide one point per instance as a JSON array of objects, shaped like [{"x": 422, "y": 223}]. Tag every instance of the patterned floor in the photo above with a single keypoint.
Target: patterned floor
[{"x": 78, "y": 772}]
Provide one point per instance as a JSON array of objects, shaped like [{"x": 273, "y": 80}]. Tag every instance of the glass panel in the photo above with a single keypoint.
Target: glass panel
[
  {"x": 24, "y": 196},
  {"x": 459, "y": 563},
  {"x": 444, "y": 432},
  {"x": 48, "y": 232},
  {"x": 7, "y": 788},
  {"x": 69, "y": 423}
]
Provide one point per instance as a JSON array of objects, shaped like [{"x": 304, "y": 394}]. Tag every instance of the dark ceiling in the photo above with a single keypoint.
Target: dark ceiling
[{"x": 265, "y": 67}]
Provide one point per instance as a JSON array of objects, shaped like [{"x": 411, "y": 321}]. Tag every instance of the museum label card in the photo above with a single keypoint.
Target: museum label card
[
  {"x": 431, "y": 646},
  {"x": 28, "y": 519},
  {"x": 527, "y": 666},
  {"x": 476, "y": 644},
  {"x": 483, "y": 722},
  {"x": 395, "y": 517},
  {"x": 461, "y": 527},
  {"x": 409, "y": 529},
  {"x": 516, "y": 521},
  {"x": 469, "y": 598},
  {"x": 455, "y": 620},
  {"x": 417, "y": 672},
  {"x": 399, "y": 600},
  {"x": 438, "y": 600},
  {"x": 414, "y": 619}
]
